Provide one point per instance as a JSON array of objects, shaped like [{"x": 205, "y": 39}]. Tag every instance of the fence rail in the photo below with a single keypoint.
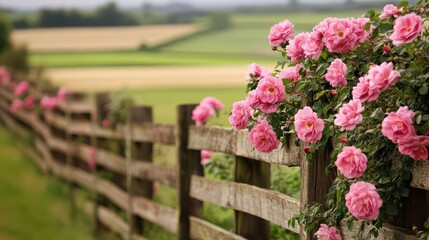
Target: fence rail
[{"x": 55, "y": 150}]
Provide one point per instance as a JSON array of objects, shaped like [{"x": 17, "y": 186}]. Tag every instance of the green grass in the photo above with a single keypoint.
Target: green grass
[
  {"x": 135, "y": 58},
  {"x": 164, "y": 101},
  {"x": 33, "y": 206}
]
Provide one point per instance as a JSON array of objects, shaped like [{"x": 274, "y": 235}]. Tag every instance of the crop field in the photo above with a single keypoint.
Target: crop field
[{"x": 99, "y": 38}]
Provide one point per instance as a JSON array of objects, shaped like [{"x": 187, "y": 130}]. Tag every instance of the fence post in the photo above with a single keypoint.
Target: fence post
[
  {"x": 189, "y": 164},
  {"x": 315, "y": 184},
  {"x": 258, "y": 174},
  {"x": 141, "y": 151},
  {"x": 69, "y": 156},
  {"x": 101, "y": 112}
]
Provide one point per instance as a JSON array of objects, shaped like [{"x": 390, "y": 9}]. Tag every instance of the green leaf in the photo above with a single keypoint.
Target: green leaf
[
  {"x": 324, "y": 55},
  {"x": 426, "y": 225},
  {"x": 367, "y": 26},
  {"x": 391, "y": 210},
  {"x": 403, "y": 4},
  {"x": 424, "y": 89},
  {"x": 404, "y": 192}
]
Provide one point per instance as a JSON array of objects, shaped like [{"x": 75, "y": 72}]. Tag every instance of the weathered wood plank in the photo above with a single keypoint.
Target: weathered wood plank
[
  {"x": 270, "y": 205},
  {"x": 420, "y": 175},
  {"x": 154, "y": 133},
  {"x": 159, "y": 214},
  {"x": 387, "y": 232},
  {"x": 228, "y": 140},
  {"x": 36, "y": 158},
  {"x": 203, "y": 230},
  {"x": 156, "y": 173},
  {"x": 115, "y": 223}
]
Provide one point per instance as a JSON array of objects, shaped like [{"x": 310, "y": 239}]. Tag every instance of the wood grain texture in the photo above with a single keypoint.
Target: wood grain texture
[
  {"x": 203, "y": 230},
  {"x": 387, "y": 232},
  {"x": 420, "y": 175},
  {"x": 115, "y": 224},
  {"x": 270, "y": 205},
  {"x": 228, "y": 140}
]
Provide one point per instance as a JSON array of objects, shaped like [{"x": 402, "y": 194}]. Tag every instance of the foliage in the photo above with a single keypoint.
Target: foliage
[
  {"x": 15, "y": 58},
  {"x": 387, "y": 169},
  {"x": 119, "y": 109},
  {"x": 5, "y": 31}
]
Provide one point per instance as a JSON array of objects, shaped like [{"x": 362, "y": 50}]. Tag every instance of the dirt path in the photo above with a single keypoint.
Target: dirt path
[{"x": 111, "y": 78}]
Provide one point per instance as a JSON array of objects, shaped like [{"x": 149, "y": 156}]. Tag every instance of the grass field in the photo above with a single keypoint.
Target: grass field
[{"x": 33, "y": 206}]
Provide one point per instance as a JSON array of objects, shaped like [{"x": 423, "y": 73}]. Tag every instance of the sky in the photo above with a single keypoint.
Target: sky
[{"x": 35, "y": 4}]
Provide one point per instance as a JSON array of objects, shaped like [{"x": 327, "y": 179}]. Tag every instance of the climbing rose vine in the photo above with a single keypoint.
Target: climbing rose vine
[{"x": 358, "y": 84}]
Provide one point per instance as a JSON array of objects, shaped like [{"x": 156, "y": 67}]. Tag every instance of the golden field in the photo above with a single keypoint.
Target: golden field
[
  {"x": 99, "y": 38},
  {"x": 108, "y": 78}
]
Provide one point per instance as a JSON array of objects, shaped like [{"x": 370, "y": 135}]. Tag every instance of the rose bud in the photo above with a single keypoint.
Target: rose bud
[
  {"x": 307, "y": 150},
  {"x": 386, "y": 48},
  {"x": 343, "y": 139},
  {"x": 333, "y": 92}
]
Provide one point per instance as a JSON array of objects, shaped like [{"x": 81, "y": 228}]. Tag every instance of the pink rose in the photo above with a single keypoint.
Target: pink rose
[
  {"x": 351, "y": 162},
  {"x": 291, "y": 73},
  {"x": 215, "y": 103},
  {"x": 365, "y": 90},
  {"x": 363, "y": 201},
  {"x": 294, "y": 49},
  {"x": 308, "y": 126},
  {"x": 313, "y": 45},
  {"x": 415, "y": 147},
  {"x": 327, "y": 233},
  {"x": 205, "y": 157},
  {"x": 337, "y": 73},
  {"x": 398, "y": 127},
  {"x": 268, "y": 107},
  {"x": 62, "y": 94},
  {"x": 359, "y": 29},
  {"x": 383, "y": 76},
  {"x": 349, "y": 115},
  {"x": 340, "y": 36},
  {"x": 323, "y": 26},
  {"x": 406, "y": 28},
  {"x": 106, "y": 123},
  {"x": 263, "y": 138},
  {"x": 240, "y": 113},
  {"x": 280, "y": 33},
  {"x": 91, "y": 158},
  {"x": 252, "y": 99},
  {"x": 21, "y": 88},
  {"x": 256, "y": 71},
  {"x": 29, "y": 102},
  {"x": 16, "y": 105},
  {"x": 390, "y": 10},
  {"x": 49, "y": 103},
  {"x": 5, "y": 77},
  {"x": 202, "y": 113},
  {"x": 270, "y": 90}
]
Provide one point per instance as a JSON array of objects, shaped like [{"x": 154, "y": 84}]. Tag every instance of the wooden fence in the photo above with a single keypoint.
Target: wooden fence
[{"x": 64, "y": 138}]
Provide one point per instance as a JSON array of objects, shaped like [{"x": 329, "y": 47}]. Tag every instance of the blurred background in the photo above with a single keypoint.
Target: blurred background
[{"x": 162, "y": 53}]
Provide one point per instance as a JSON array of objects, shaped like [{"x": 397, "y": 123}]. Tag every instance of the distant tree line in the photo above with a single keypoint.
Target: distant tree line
[{"x": 110, "y": 15}]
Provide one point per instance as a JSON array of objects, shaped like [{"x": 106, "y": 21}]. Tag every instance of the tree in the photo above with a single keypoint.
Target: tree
[{"x": 5, "y": 31}]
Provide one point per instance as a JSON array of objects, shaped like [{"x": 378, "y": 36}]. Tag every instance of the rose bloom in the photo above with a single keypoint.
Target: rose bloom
[
  {"x": 205, "y": 157},
  {"x": 252, "y": 99},
  {"x": 291, "y": 73},
  {"x": 256, "y": 71},
  {"x": 294, "y": 50},
  {"x": 16, "y": 105},
  {"x": 268, "y": 107},
  {"x": 91, "y": 158},
  {"x": 240, "y": 113},
  {"x": 349, "y": 115},
  {"x": 62, "y": 94},
  {"x": 383, "y": 76},
  {"x": 270, "y": 90},
  {"x": 327, "y": 233},
  {"x": 398, "y": 126},
  {"x": 415, "y": 147},
  {"x": 49, "y": 103},
  {"x": 308, "y": 126},
  {"x": 215, "y": 103},
  {"x": 340, "y": 36},
  {"x": 337, "y": 73},
  {"x": 313, "y": 45},
  {"x": 202, "y": 113},
  {"x": 390, "y": 10},
  {"x": 21, "y": 88},
  {"x": 363, "y": 201},
  {"x": 29, "y": 102},
  {"x": 406, "y": 28},
  {"x": 4, "y": 76},
  {"x": 280, "y": 33},
  {"x": 106, "y": 123},
  {"x": 263, "y": 138},
  {"x": 359, "y": 29},
  {"x": 365, "y": 90},
  {"x": 351, "y": 162},
  {"x": 323, "y": 26}
]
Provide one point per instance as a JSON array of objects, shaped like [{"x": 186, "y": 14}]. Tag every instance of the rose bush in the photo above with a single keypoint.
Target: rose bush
[{"x": 360, "y": 85}]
